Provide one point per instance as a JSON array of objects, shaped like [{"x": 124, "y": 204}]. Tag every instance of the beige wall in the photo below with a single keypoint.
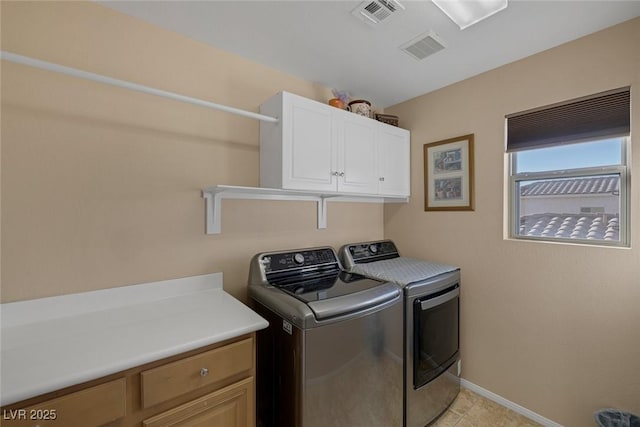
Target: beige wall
[
  {"x": 554, "y": 328},
  {"x": 101, "y": 186}
]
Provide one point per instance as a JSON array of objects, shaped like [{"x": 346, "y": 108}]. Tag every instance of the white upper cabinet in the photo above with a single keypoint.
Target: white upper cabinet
[
  {"x": 298, "y": 152},
  {"x": 357, "y": 155},
  {"x": 317, "y": 147},
  {"x": 394, "y": 159}
]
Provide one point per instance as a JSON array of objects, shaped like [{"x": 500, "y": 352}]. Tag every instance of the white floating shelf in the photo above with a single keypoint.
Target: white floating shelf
[{"x": 213, "y": 200}]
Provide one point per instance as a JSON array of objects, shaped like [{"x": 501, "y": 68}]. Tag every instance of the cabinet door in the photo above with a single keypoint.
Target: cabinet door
[
  {"x": 308, "y": 147},
  {"x": 394, "y": 147},
  {"x": 230, "y": 407},
  {"x": 357, "y": 154},
  {"x": 91, "y": 407}
]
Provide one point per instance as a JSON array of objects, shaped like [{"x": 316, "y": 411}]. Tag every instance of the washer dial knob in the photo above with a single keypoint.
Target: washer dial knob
[
  {"x": 298, "y": 259},
  {"x": 373, "y": 249}
]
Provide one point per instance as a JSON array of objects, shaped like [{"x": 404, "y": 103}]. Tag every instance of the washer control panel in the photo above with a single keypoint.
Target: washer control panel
[{"x": 304, "y": 258}]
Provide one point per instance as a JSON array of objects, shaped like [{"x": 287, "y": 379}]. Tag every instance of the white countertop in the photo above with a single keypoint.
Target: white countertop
[{"x": 52, "y": 343}]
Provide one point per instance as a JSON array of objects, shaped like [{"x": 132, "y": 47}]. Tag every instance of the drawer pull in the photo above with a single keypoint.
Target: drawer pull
[{"x": 204, "y": 372}]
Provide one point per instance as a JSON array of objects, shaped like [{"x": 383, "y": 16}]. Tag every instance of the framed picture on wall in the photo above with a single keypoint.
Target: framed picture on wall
[{"x": 448, "y": 174}]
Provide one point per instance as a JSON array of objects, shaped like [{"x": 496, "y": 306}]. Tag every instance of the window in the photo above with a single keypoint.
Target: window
[{"x": 569, "y": 178}]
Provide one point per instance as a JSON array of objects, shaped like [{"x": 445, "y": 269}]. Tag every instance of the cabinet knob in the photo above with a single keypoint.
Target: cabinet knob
[
  {"x": 204, "y": 372},
  {"x": 341, "y": 174},
  {"x": 334, "y": 173},
  {"x": 381, "y": 178}
]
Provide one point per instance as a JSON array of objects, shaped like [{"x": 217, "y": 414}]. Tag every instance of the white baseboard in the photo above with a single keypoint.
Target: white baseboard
[{"x": 508, "y": 404}]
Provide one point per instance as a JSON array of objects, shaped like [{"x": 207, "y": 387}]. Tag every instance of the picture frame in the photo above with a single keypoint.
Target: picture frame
[{"x": 448, "y": 174}]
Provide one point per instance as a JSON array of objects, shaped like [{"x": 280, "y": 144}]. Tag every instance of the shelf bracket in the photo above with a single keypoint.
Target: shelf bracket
[
  {"x": 213, "y": 208},
  {"x": 322, "y": 213}
]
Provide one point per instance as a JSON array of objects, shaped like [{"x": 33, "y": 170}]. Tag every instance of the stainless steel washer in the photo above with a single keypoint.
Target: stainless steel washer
[
  {"x": 431, "y": 324},
  {"x": 332, "y": 354}
]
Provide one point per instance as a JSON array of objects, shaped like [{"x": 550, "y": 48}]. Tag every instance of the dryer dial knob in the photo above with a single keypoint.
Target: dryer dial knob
[{"x": 298, "y": 259}]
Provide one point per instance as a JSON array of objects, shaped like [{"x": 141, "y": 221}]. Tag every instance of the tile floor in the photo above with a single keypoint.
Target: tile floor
[{"x": 472, "y": 410}]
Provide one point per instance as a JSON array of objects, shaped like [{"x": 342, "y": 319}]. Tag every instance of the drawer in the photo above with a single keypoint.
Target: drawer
[
  {"x": 90, "y": 407},
  {"x": 174, "y": 379}
]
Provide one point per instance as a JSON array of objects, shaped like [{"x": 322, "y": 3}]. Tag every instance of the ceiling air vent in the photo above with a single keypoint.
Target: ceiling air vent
[
  {"x": 376, "y": 11},
  {"x": 424, "y": 45}
]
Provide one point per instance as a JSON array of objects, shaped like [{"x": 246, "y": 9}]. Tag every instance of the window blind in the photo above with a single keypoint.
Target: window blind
[{"x": 602, "y": 115}]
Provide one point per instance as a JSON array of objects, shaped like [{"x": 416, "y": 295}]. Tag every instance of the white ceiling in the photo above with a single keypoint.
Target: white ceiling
[{"x": 320, "y": 41}]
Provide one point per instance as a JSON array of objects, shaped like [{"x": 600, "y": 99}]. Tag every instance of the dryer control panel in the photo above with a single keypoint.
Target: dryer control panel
[{"x": 358, "y": 253}]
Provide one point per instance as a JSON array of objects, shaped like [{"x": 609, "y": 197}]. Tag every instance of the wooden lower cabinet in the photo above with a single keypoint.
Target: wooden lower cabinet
[
  {"x": 229, "y": 407},
  {"x": 92, "y": 406},
  {"x": 208, "y": 387}
]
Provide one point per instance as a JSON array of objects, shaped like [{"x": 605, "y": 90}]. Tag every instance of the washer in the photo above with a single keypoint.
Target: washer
[
  {"x": 332, "y": 354},
  {"x": 431, "y": 294}
]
